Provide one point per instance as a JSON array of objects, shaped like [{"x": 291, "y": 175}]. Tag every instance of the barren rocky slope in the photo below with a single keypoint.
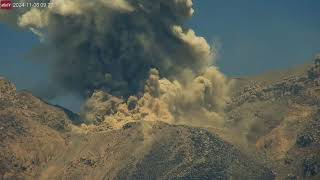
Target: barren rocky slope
[
  {"x": 279, "y": 117},
  {"x": 39, "y": 141},
  {"x": 277, "y": 120},
  {"x": 31, "y": 132}
]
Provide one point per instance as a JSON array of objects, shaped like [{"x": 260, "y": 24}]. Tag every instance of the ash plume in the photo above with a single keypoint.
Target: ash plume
[
  {"x": 11, "y": 17},
  {"x": 131, "y": 58},
  {"x": 197, "y": 103}
]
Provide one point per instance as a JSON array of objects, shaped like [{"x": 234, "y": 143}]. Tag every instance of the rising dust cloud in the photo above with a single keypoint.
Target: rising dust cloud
[{"x": 132, "y": 60}]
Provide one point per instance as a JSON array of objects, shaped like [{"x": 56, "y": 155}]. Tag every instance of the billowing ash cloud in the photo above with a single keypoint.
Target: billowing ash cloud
[
  {"x": 197, "y": 103},
  {"x": 11, "y": 17},
  {"x": 107, "y": 48},
  {"x": 112, "y": 44}
]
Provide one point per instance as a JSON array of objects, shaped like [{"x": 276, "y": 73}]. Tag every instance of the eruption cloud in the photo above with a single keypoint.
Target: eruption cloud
[{"x": 132, "y": 60}]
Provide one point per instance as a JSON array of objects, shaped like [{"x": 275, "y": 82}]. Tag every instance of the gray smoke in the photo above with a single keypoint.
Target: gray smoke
[
  {"x": 108, "y": 48},
  {"x": 111, "y": 44}
]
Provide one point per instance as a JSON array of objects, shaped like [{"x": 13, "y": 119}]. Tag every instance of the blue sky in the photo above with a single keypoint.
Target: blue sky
[
  {"x": 253, "y": 36},
  {"x": 257, "y": 35}
]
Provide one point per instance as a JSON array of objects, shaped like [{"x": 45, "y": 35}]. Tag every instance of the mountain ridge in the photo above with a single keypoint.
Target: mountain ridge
[{"x": 40, "y": 141}]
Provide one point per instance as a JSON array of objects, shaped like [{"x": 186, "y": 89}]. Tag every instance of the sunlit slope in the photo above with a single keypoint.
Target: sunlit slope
[
  {"x": 39, "y": 141},
  {"x": 277, "y": 115}
]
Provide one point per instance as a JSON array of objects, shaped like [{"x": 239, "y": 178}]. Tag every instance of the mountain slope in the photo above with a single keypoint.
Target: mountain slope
[
  {"x": 31, "y": 133},
  {"x": 278, "y": 116},
  {"x": 154, "y": 151},
  {"x": 39, "y": 141}
]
